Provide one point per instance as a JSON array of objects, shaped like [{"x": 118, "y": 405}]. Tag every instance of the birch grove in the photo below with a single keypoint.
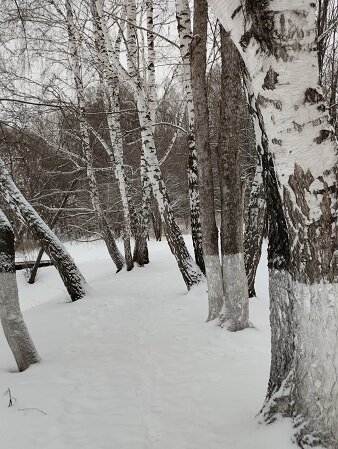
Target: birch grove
[{"x": 190, "y": 272}]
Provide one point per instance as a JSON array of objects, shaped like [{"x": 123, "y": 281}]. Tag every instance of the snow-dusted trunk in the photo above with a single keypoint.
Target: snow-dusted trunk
[
  {"x": 189, "y": 270},
  {"x": 206, "y": 185},
  {"x": 112, "y": 107},
  {"x": 185, "y": 37},
  {"x": 12, "y": 321},
  {"x": 301, "y": 182},
  {"x": 235, "y": 285},
  {"x": 85, "y": 141},
  {"x": 63, "y": 262},
  {"x": 255, "y": 220}
]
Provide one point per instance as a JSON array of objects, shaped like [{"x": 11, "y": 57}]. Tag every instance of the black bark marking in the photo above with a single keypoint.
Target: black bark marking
[
  {"x": 312, "y": 96},
  {"x": 233, "y": 15},
  {"x": 271, "y": 79},
  {"x": 324, "y": 134}
]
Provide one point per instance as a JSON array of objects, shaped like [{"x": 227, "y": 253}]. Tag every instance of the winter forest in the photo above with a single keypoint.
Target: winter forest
[{"x": 169, "y": 224}]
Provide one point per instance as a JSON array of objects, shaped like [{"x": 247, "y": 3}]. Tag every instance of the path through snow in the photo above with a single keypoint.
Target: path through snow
[{"x": 135, "y": 366}]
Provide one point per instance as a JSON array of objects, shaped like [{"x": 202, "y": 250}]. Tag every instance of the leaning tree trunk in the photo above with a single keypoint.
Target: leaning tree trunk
[
  {"x": 301, "y": 177},
  {"x": 105, "y": 230},
  {"x": 12, "y": 321},
  {"x": 111, "y": 102},
  {"x": 185, "y": 36},
  {"x": 235, "y": 284},
  {"x": 63, "y": 262},
  {"x": 205, "y": 175}
]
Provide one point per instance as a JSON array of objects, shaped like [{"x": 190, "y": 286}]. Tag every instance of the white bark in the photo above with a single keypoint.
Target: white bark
[
  {"x": 236, "y": 308},
  {"x": 12, "y": 321},
  {"x": 302, "y": 187},
  {"x": 183, "y": 15}
]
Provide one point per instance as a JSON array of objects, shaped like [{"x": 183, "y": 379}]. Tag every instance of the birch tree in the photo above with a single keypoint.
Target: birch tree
[
  {"x": 278, "y": 44},
  {"x": 63, "y": 262},
  {"x": 12, "y": 320},
  {"x": 183, "y": 14},
  {"x": 85, "y": 140}
]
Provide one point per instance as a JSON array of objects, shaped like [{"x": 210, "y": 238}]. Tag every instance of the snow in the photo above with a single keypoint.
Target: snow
[{"x": 133, "y": 365}]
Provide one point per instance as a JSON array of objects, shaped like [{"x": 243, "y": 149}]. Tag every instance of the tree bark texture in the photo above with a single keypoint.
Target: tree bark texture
[
  {"x": 235, "y": 284},
  {"x": 278, "y": 43},
  {"x": 185, "y": 37}
]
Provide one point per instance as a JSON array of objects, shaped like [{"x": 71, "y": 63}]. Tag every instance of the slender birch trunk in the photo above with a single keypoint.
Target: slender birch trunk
[
  {"x": 185, "y": 37},
  {"x": 151, "y": 61},
  {"x": 205, "y": 175},
  {"x": 110, "y": 93},
  {"x": 301, "y": 179},
  {"x": 63, "y": 262},
  {"x": 12, "y": 321},
  {"x": 255, "y": 221},
  {"x": 190, "y": 272},
  {"x": 87, "y": 150},
  {"x": 235, "y": 284}
]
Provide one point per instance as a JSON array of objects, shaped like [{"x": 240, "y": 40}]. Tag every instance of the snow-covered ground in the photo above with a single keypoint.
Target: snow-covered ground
[{"x": 135, "y": 366}]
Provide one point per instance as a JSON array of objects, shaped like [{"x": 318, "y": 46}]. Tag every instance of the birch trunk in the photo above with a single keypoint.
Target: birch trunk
[
  {"x": 190, "y": 272},
  {"x": 205, "y": 176},
  {"x": 63, "y": 262},
  {"x": 301, "y": 179},
  {"x": 107, "y": 234},
  {"x": 112, "y": 105},
  {"x": 255, "y": 220},
  {"x": 235, "y": 284},
  {"x": 12, "y": 321},
  {"x": 185, "y": 37},
  {"x": 151, "y": 70}
]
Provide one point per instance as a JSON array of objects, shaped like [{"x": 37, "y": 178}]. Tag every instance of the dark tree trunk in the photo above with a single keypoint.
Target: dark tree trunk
[
  {"x": 236, "y": 305},
  {"x": 205, "y": 175}
]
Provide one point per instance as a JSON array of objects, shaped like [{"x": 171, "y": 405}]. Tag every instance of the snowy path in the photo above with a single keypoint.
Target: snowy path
[{"x": 134, "y": 366}]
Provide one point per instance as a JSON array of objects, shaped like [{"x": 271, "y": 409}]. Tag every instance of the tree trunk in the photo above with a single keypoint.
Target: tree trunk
[
  {"x": 301, "y": 179},
  {"x": 12, "y": 321},
  {"x": 63, "y": 262},
  {"x": 105, "y": 230},
  {"x": 255, "y": 221},
  {"x": 185, "y": 37},
  {"x": 206, "y": 185},
  {"x": 235, "y": 284},
  {"x": 35, "y": 268}
]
